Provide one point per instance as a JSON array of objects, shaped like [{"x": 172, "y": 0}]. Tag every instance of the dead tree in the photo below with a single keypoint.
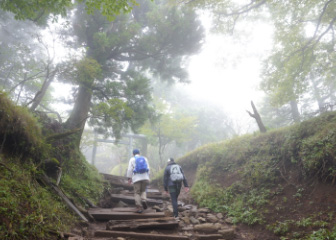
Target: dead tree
[{"x": 257, "y": 117}]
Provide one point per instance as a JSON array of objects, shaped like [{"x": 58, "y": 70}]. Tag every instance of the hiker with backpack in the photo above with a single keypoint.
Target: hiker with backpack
[
  {"x": 172, "y": 182},
  {"x": 138, "y": 174}
]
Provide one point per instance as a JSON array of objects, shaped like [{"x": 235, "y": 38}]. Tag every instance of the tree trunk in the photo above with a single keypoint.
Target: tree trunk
[
  {"x": 80, "y": 112},
  {"x": 257, "y": 117},
  {"x": 295, "y": 111},
  {"x": 40, "y": 94},
  {"x": 317, "y": 95}
]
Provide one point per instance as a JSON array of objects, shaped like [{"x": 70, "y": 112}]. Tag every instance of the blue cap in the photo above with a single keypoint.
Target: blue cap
[{"x": 136, "y": 151}]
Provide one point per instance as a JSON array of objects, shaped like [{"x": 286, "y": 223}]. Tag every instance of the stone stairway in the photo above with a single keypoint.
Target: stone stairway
[{"x": 122, "y": 223}]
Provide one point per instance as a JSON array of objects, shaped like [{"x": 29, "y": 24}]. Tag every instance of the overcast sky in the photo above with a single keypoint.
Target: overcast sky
[{"x": 227, "y": 70}]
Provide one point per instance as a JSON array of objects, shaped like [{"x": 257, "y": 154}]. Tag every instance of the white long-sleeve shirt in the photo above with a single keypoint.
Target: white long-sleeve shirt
[{"x": 139, "y": 176}]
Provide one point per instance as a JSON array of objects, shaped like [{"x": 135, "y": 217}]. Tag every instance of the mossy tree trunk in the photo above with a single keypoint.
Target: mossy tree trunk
[{"x": 80, "y": 112}]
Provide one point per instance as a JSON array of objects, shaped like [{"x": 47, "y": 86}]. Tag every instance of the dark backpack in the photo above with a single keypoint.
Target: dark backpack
[
  {"x": 175, "y": 173},
  {"x": 140, "y": 165}
]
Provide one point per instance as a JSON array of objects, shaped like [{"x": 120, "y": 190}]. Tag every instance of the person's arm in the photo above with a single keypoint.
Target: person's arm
[
  {"x": 165, "y": 179},
  {"x": 130, "y": 170},
  {"x": 185, "y": 182}
]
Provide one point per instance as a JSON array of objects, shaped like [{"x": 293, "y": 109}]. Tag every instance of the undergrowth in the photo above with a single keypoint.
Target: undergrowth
[
  {"x": 254, "y": 178},
  {"x": 27, "y": 210}
]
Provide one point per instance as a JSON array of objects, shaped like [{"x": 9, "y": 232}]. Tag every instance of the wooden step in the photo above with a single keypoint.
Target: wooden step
[
  {"x": 131, "y": 209},
  {"x": 105, "y": 214},
  {"x": 141, "y": 225},
  {"x": 130, "y": 199},
  {"x": 136, "y": 235},
  {"x": 150, "y": 195},
  {"x": 161, "y": 219}
]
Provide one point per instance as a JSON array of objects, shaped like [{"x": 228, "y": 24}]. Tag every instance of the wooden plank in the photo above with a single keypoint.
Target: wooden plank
[
  {"x": 109, "y": 215},
  {"x": 137, "y": 235},
  {"x": 139, "y": 225},
  {"x": 152, "y": 195},
  {"x": 131, "y": 209},
  {"x": 208, "y": 236},
  {"x": 161, "y": 219},
  {"x": 130, "y": 199}
]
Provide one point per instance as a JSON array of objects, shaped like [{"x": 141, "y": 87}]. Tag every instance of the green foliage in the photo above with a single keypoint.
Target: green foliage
[
  {"x": 322, "y": 234},
  {"x": 246, "y": 177},
  {"x": 110, "y": 8},
  {"x": 34, "y": 10},
  {"x": 280, "y": 228},
  {"x": 81, "y": 178},
  {"x": 87, "y": 70},
  {"x": 120, "y": 169},
  {"x": 27, "y": 210}
]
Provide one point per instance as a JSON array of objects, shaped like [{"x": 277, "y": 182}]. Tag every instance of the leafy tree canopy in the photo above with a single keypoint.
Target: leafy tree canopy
[
  {"x": 35, "y": 10},
  {"x": 304, "y": 42}
]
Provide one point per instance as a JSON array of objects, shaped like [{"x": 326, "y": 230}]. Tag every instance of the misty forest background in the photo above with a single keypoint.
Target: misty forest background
[{"x": 125, "y": 62}]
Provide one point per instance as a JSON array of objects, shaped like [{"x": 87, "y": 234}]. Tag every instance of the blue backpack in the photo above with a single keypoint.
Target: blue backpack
[{"x": 140, "y": 165}]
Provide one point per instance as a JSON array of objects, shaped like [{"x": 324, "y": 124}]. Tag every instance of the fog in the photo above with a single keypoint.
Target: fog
[{"x": 182, "y": 77}]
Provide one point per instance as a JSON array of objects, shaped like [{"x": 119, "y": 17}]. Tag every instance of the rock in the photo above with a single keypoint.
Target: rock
[
  {"x": 181, "y": 209},
  {"x": 227, "y": 234},
  {"x": 121, "y": 204},
  {"x": 186, "y": 220},
  {"x": 229, "y": 220},
  {"x": 187, "y": 213},
  {"x": 203, "y": 210},
  {"x": 194, "y": 220},
  {"x": 157, "y": 208},
  {"x": 219, "y": 215},
  {"x": 187, "y": 234},
  {"x": 190, "y": 207},
  {"x": 188, "y": 228},
  {"x": 121, "y": 238},
  {"x": 180, "y": 204},
  {"x": 170, "y": 208},
  {"x": 212, "y": 218},
  {"x": 206, "y": 227},
  {"x": 201, "y": 219}
]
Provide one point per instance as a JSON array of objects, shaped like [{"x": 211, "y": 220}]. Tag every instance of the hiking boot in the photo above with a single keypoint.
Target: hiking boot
[
  {"x": 139, "y": 210},
  {"x": 177, "y": 219},
  {"x": 144, "y": 204}
]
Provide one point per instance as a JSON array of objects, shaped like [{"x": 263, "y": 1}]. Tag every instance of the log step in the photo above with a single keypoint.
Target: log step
[
  {"x": 141, "y": 225},
  {"x": 130, "y": 209},
  {"x": 136, "y": 235},
  {"x": 107, "y": 214},
  {"x": 130, "y": 199}
]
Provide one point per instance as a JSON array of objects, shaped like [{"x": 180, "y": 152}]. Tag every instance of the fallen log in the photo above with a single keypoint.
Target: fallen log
[
  {"x": 137, "y": 235},
  {"x": 45, "y": 180},
  {"x": 161, "y": 219}
]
